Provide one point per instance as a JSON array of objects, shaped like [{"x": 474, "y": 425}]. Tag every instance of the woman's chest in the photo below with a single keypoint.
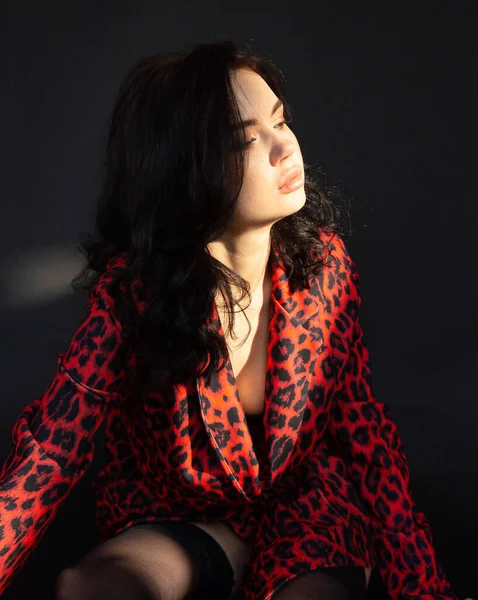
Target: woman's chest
[{"x": 248, "y": 352}]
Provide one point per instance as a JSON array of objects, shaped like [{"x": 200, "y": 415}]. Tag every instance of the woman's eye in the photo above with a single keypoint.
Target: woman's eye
[{"x": 279, "y": 125}]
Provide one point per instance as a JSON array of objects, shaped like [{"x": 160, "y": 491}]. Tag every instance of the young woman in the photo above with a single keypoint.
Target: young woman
[{"x": 246, "y": 453}]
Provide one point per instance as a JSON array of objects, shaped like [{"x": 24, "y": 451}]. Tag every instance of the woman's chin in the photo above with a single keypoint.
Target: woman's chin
[{"x": 293, "y": 201}]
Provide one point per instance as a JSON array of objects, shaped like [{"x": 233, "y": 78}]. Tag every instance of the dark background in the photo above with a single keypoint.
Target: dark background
[{"x": 384, "y": 97}]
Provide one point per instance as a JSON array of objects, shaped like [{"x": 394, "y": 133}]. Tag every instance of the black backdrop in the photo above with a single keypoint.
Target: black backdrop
[{"x": 384, "y": 97}]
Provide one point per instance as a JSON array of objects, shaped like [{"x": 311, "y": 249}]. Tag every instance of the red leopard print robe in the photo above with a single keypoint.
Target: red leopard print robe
[{"x": 331, "y": 487}]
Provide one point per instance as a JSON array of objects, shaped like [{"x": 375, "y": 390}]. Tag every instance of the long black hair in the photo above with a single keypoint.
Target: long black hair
[{"x": 173, "y": 169}]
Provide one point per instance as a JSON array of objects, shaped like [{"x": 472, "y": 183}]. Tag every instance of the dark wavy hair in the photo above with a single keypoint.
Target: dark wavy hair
[{"x": 172, "y": 172}]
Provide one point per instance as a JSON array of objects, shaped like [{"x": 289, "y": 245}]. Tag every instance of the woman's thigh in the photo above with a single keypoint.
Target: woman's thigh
[{"x": 138, "y": 564}]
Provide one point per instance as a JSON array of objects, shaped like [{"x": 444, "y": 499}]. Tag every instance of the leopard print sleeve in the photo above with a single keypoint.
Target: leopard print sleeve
[
  {"x": 367, "y": 436},
  {"x": 53, "y": 436}
]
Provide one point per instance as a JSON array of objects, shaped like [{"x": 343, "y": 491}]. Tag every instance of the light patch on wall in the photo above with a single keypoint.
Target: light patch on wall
[{"x": 38, "y": 276}]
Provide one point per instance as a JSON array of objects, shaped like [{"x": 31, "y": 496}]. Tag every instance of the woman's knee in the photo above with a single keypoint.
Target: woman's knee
[
  {"x": 137, "y": 564},
  {"x": 105, "y": 579},
  {"x": 63, "y": 585}
]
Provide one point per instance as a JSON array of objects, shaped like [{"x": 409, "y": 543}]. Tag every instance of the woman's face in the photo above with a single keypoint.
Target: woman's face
[{"x": 272, "y": 150}]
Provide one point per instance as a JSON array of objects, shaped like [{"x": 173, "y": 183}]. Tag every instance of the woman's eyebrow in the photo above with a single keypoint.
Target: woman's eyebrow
[{"x": 248, "y": 122}]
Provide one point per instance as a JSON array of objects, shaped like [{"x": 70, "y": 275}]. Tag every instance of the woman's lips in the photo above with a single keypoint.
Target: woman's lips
[{"x": 292, "y": 184}]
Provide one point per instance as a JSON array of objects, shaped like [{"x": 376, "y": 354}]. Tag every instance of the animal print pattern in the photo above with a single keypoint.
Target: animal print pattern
[{"x": 329, "y": 487}]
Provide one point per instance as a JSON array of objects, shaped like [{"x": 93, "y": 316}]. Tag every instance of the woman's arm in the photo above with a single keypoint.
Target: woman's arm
[
  {"x": 53, "y": 436},
  {"x": 367, "y": 437}
]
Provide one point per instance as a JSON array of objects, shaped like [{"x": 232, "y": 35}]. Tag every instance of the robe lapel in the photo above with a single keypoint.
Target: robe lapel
[
  {"x": 224, "y": 419},
  {"x": 293, "y": 346},
  {"x": 294, "y": 341}
]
